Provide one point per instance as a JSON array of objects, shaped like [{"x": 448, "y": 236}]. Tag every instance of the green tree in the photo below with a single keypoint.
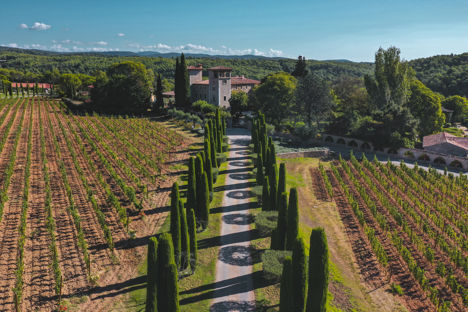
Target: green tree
[
  {"x": 182, "y": 84},
  {"x": 191, "y": 185},
  {"x": 293, "y": 219},
  {"x": 299, "y": 276},
  {"x": 260, "y": 175},
  {"x": 459, "y": 105},
  {"x": 318, "y": 271},
  {"x": 204, "y": 201},
  {"x": 168, "y": 296},
  {"x": 192, "y": 228},
  {"x": 159, "y": 104},
  {"x": 70, "y": 83},
  {"x": 184, "y": 238},
  {"x": 152, "y": 276},
  {"x": 281, "y": 182},
  {"x": 125, "y": 89},
  {"x": 300, "y": 70},
  {"x": 313, "y": 99},
  {"x": 286, "y": 289},
  {"x": 266, "y": 195},
  {"x": 282, "y": 224},
  {"x": 273, "y": 187},
  {"x": 426, "y": 107},
  {"x": 175, "y": 223},
  {"x": 199, "y": 187},
  {"x": 238, "y": 103},
  {"x": 275, "y": 96}
]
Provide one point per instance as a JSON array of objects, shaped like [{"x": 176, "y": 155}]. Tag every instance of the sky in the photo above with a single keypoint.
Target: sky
[{"x": 322, "y": 30}]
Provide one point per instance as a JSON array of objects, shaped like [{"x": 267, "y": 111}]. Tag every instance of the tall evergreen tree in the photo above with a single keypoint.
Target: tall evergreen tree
[
  {"x": 281, "y": 181},
  {"x": 177, "y": 84},
  {"x": 204, "y": 201},
  {"x": 199, "y": 181},
  {"x": 159, "y": 95},
  {"x": 299, "y": 276},
  {"x": 214, "y": 162},
  {"x": 318, "y": 271},
  {"x": 286, "y": 287},
  {"x": 152, "y": 276},
  {"x": 175, "y": 222},
  {"x": 273, "y": 187},
  {"x": 192, "y": 228},
  {"x": 282, "y": 224},
  {"x": 260, "y": 175},
  {"x": 266, "y": 195},
  {"x": 293, "y": 219},
  {"x": 168, "y": 296},
  {"x": 209, "y": 175},
  {"x": 184, "y": 238},
  {"x": 300, "y": 70},
  {"x": 184, "y": 82},
  {"x": 191, "y": 185}
]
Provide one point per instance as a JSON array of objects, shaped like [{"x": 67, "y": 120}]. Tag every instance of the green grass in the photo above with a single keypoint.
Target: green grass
[
  {"x": 205, "y": 271},
  {"x": 453, "y": 130}
]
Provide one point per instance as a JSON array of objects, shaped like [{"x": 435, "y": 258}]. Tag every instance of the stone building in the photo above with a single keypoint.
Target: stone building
[
  {"x": 446, "y": 143},
  {"x": 219, "y": 85}
]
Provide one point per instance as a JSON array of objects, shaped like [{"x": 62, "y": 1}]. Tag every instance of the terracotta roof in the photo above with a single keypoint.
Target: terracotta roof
[
  {"x": 217, "y": 68},
  {"x": 444, "y": 137},
  {"x": 30, "y": 84},
  {"x": 201, "y": 82},
  {"x": 169, "y": 93},
  {"x": 243, "y": 81},
  {"x": 198, "y": 67}
]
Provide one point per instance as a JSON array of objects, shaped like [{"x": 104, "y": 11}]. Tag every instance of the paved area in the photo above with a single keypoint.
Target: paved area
[{"x": 234, "y": 285}]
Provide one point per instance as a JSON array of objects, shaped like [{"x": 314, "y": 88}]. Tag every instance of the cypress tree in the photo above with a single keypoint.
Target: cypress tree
[
  {"x": 159, "y": 96},
  {"x": 273, "y": 188},
  {"x": 219, "y": 131},
  {"x": 209, "y": 174},
  {"x": 175, "y": 222},
  {"x": 207, "y": 150},
  {"x": 152, "y": 276},
  {"x": 260, "y": 175},
  {"x": 318, "y": 271},
  {"x": 214, "y": 163},
  {"x": 266, "y": 195},
  {"x": 299, "y": 276},
  {"x": 184, "y": 83},
  {"x": 167, "y": 275},
  {"x": 177, "y": 82},
  {"x": 274, "y": 240},
  {"x": 184, "y": 238},
  {"x": 192, "y": 185},
  {"x": 286, "y": 287},
  {"x": 204, "y": 201},
  {"x": 281, "y": 181},
  {"x": 282, "y": 224},
  {"x": 293, "y": 219},
  {"x": 192, "y": 228},
  {"x": 199, "y": 181}
]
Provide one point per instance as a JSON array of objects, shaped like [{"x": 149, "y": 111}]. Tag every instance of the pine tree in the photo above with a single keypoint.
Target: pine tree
[
  {"x": 204, "y": 201},
  {"x": 168, "y": 296},
  {"x": 282, "y": 224},
  {"x": 191, "y": 185},
  {"x": 266, "y": 195},
  {"x": 293, "y": 219},
  {"x": 318, "y": 271},
  {"x": 192, "y": 228},
  {"x": 184, "y": 238},
  {"x": 299, "y": 276},
  {"x": 273, "y": 187},
  {"x": 175, "y": 222},
  {"x": 159, "y": 96},
  {"x": 185, "y": 83},
  {"x": 281, "y": 182},
  {"x": 286, "y": 286},
  {"x": 260, "y": 176},
  {"x": 152, "y": 276}
]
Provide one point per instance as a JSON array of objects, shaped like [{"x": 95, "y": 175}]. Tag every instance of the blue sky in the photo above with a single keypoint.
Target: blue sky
[{"x": 321, "y": 30}]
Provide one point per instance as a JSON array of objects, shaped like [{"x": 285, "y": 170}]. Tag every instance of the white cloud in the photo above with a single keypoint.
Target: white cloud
[
  {"x": 102, "y": 43},
  {"x": 196, "y": 48},
  {"x": 120, "y": 34},
  {"x": 36, "y": 26},
  {"x": 12, "y": 45}
]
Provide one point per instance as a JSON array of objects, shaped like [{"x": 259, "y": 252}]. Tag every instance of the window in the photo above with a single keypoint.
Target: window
[
  {"x": 225, "y": 98},
  {"x": 224, "y": 82}
]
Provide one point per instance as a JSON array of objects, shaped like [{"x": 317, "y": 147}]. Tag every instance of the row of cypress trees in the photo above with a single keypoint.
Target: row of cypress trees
[
  {"x": 162, "y": 292},
  {"x": 304, "y": 286},
  {"x": 287, "y": 228}
]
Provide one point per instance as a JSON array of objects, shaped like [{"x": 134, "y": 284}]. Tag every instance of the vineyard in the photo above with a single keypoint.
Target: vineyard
[
  {"x": 77, "y": 192},
  {"x": 408, "y": 228}
]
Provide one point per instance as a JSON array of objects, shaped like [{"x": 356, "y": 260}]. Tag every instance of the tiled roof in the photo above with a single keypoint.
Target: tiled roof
[
  {"x": 201, "y": 82},
  {"x": 169, "y": 93},
  {"x": 243, "y": 81},
  {"x": 444, "y": 137},
  {"x": 216, "y": 68},
  {"x": 198, "y": 67}
]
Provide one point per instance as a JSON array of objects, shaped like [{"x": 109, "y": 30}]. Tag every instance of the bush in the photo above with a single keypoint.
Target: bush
[
  {"x": 273, "y": 263},
  {"x": 215, "y": 173},
  {"x": 270, "y": 129},
  {"x": 225, "y": 147},
  {"x": 265, "y": 222},
  {"x": 304, "y": 131},
  {"x": 220, "y": 158},
  {"x": 396, "y": 289}
]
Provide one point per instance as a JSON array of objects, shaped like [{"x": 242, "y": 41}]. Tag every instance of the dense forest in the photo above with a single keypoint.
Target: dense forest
[{"x": 32, "y": 64}]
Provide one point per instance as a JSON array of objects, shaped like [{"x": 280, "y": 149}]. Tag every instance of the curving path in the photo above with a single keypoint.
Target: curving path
[{"x": 234, "y": 284}]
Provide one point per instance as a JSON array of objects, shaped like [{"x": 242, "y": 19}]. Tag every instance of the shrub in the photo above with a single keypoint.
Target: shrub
[
  {"x": 265, "y": 222},
  {"x": 220, "y": 158},
  {"x": 225, "y": 147},
  {"x": 396, "y": 289},
  {"x": 273, "y": 263},
  {"x": 215, "y": 173}
]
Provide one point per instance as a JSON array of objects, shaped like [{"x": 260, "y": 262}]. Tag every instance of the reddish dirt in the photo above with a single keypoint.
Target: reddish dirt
[
  {"x": 319, "y": 188},
  {"x": 12, "y": 210},
  {"x": 38, "y": 275}
]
